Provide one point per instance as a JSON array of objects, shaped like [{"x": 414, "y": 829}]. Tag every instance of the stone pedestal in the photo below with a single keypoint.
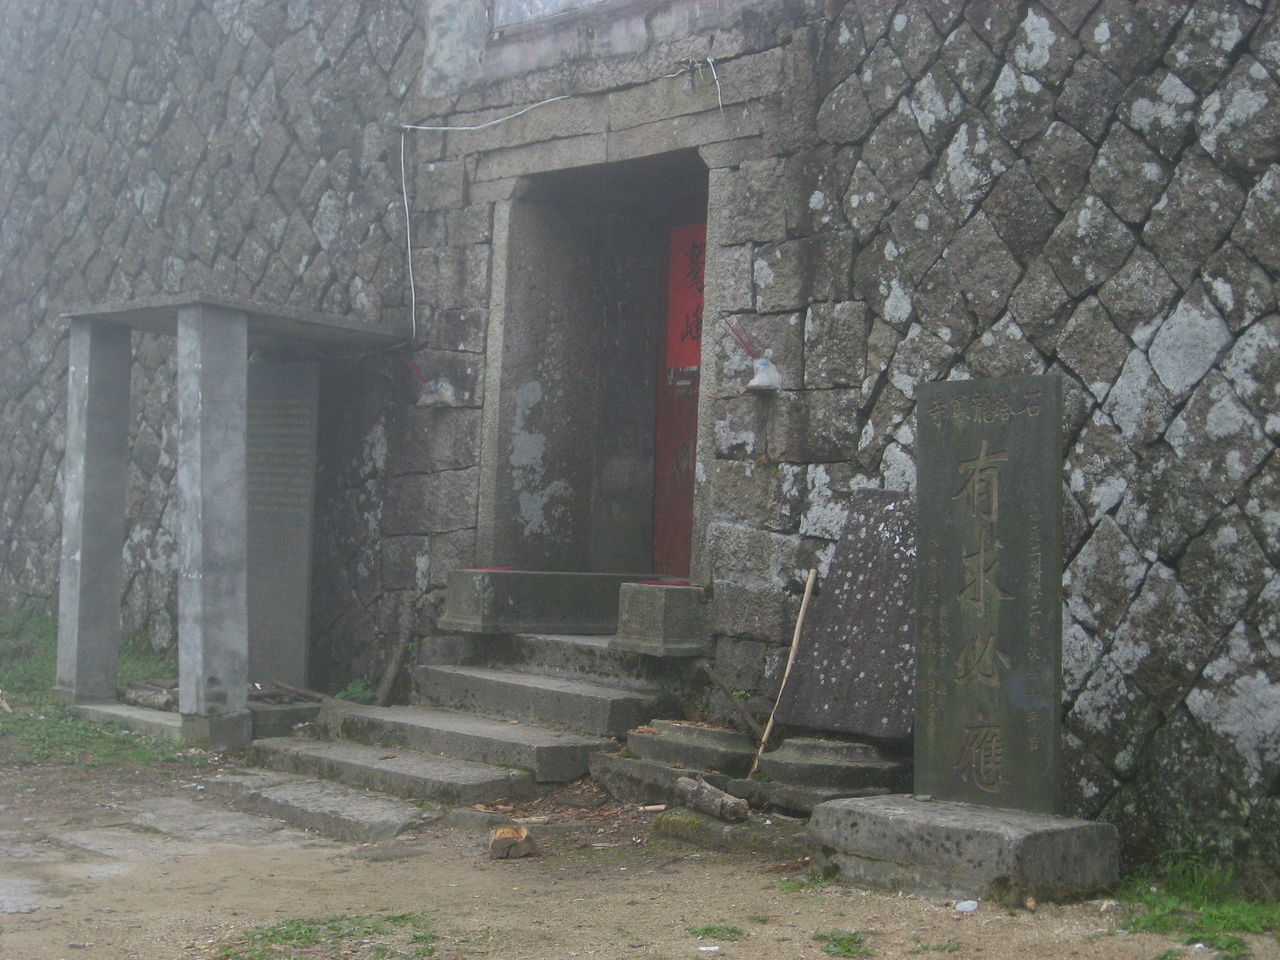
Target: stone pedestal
[
  {"x": 663, "y": 620},
  {"x": 951, "y": 849},
  {"x": 524, "y": 601}
]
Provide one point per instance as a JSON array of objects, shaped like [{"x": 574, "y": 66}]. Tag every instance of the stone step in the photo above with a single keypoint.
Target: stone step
[
  {"x": 402, "y": 773},
  {"x": 327, "y": 808},
  {"x": 593, "y": 658},
  {"x": 551, "y": 755},
  {"x": 589, "y": 708},
  {"x": 633, "y": 780},
  {"x": 859, "y": 769},
  {"x": 693, "y": 747}
]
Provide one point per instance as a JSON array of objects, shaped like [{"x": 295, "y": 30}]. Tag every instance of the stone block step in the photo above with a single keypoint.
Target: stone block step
[
  {"x": 941, "y": 848},
  {"x": 693, "y": 747},
  {"x": 327, "y": 808},
  {"x": 589, "y": 708},
  {"x": 551, "y": 755},
  {"x": 855, "y": 768},
  {"x": 591, "y": 658},
  {"x": 633, "y": 780},
  {"x": 402, "y": 773}
]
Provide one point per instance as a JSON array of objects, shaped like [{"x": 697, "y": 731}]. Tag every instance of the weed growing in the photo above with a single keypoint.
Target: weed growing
[
  {"x": 807, "y": 882},
  {"x": 718, "y": 931},
  {"x": 357, "y": 691},
  {"x": 385, "y": 936},
  {"x": 843, "y": 943},
  {"x": 946, "y": 946},
  {"x": 1188, "y": 897}
]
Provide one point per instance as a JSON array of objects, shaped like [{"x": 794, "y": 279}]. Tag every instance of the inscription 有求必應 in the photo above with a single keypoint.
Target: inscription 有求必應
[{"x": 989, "y": 578}]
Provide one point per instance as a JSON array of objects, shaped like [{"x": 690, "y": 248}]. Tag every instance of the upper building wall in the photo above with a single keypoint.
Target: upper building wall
[{"x": 478, "y": 42}]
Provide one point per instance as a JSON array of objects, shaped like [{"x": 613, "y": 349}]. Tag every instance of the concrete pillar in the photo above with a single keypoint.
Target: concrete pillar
[
  {"x": 213, "y": 555},
  {"x": 93, "y": 511}
]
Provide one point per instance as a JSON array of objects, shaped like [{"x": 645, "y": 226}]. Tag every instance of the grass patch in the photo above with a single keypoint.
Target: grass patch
[
  {"x": 718, "y": 931},
  {"x": 28, "y": 654},
  {"x": 843, "y": 943},
  {"x": 38, "y": 731},
  {"x": 807, "y": 882},
  {"x": 29, "y": 657},
  {"x": 1188, "y": 897},
  {"x": 383, "y": 936},
  {"x": 52, "y": 734},
  {"x": 140, "y": 661},
  {"x": 946, "y": 946}
]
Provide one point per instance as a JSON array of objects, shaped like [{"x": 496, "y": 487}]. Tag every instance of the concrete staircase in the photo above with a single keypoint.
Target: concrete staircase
[{"x": 516, "y": 709}]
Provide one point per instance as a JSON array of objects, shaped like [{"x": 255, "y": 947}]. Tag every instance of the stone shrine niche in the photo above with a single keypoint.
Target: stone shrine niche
[
  {"x": 246, "y": 455},
  {"x": 988, "y": 680},
  {"x": 854, "y": 673}
]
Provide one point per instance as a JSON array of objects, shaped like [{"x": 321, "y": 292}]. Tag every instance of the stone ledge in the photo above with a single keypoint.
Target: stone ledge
[{"x": 949, "y": 849}]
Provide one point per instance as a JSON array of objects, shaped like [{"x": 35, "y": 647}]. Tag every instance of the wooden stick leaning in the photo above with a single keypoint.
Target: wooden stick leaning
[{"x": 791, "y": 659}]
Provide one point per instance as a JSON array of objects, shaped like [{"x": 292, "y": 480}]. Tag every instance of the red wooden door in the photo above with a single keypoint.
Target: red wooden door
[{"x": 677, "y": 403}]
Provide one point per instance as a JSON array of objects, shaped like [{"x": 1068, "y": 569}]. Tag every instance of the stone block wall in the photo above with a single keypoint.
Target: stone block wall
[
  {"x": 246, "y": 149},
  {"x": 900, "y": 191},
  {"x": 908, "y": 190}
]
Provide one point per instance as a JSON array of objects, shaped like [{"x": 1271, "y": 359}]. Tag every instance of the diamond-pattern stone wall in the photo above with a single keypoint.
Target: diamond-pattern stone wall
[
  {"x": 242, "y": 148},
  {"x": 1076, "y": 188}
]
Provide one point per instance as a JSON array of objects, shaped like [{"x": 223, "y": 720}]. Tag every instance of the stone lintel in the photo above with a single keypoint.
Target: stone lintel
[
  {"x": 269, "y": 325},
  {"x": 951, "y": 849}
]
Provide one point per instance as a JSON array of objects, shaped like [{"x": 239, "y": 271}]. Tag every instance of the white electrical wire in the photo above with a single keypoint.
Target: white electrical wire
[
  {"x": 408, "y": 245},
  {"x": 491, "y": 123}
]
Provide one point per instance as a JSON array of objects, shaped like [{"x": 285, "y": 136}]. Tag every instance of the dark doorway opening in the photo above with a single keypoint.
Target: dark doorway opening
[{"x": 582, "y": 314}]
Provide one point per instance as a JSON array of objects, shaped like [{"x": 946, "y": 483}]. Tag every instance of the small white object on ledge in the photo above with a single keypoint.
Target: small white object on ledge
[{"x": 767, "y": 378}]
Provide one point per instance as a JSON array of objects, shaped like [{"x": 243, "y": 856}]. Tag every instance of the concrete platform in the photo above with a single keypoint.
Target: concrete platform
[
  {"x": 551, "y": 755},
  {"x": 151, "y": 723},
  {"x": 589, "y": 708},
  {"x": 402, "y": 773},
  {"x": 948, "y": 849},
  {"x": 329, "y": 809}
]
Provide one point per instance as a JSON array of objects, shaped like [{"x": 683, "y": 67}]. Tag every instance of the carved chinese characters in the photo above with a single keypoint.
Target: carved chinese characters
[{"x": 989, "y": 578}]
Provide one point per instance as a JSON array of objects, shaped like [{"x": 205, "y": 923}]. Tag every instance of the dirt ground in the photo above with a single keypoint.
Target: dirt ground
[{"x": 122, "y": 863}]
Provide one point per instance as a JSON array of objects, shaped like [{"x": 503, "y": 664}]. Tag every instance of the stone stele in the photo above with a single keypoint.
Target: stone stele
[{"x": 855, "y": 668}]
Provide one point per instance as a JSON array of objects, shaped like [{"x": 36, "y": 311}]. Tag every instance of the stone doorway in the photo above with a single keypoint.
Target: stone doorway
[{"x": 577, "y": 340}]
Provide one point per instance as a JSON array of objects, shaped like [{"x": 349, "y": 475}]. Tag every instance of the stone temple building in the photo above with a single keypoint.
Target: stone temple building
[{"x": 893, "y": 192}]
